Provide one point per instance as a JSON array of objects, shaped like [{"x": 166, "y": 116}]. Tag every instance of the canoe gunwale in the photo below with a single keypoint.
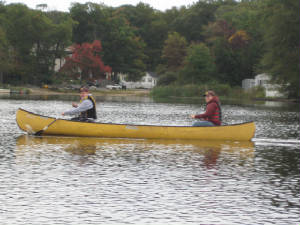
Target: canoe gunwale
[{"x": 149, "y": 125}]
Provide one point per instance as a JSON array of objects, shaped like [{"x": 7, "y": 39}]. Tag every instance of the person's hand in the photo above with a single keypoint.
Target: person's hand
[
  {"x": 193, "y": 116},
  {"x": 74, "y": 105}
]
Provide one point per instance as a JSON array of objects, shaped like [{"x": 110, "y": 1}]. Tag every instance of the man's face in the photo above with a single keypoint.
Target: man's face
[
  {"x": 83, "y": 94},
  {"x": 208, "y": 98}
]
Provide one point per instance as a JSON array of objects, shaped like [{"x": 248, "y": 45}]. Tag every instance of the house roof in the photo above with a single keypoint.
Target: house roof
[{"x": 152, "y": 74}]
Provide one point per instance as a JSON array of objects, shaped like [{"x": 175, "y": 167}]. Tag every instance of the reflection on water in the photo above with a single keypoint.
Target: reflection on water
[
  {"x": 210, "y": 150},
  {"x": 274, "y": 104}
]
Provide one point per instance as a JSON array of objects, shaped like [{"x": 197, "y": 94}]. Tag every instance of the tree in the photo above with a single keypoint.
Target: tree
[
  {"x": 52, "y": 37},
  {"x": 281, "y": 38},
  {"x": 227, "y": 63},
  {"x": 83, "y": 31},
  {"x": 86, "y": 62},
  {"x": 191, "y": 21},
  {"x": 235, "y": 39},
  {"x": 34, "y": 40},
  {"x": 123, "y": 50},
  {"x": 41, "y": 6},
  {"x": 174, "y": 51},
  {"x": 4, "y": 53},
  {"x": 4, "y": 56},
  {"x": 199, "y": 65},
  {"x": 150, "y": 27},
  {"x": 19, "y": 33},
  {"x": 167, "y": 78}
]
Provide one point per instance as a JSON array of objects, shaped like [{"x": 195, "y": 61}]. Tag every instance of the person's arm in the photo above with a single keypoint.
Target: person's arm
[
  {"x": 83, "y": 106},
  {"x": 210, "y": 110}
]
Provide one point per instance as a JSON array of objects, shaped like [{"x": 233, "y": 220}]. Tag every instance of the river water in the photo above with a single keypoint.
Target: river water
[{"x": 67, "y": 180}]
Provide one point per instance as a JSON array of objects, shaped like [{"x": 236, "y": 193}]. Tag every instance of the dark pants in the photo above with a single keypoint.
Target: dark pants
[
  {"x": 82, "y": 119},
  {"x": 203, "y": 124}
]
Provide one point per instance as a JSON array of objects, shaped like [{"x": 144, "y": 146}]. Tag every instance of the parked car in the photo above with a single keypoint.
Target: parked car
[{"x": 114, "y": 86}]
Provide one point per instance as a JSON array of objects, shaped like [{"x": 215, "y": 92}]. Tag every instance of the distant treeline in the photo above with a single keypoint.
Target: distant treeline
[{"x": 211, "y": 41}]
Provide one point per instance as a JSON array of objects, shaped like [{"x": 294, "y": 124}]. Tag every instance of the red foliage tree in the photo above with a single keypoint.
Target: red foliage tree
[{"x": 86, "y": 62}]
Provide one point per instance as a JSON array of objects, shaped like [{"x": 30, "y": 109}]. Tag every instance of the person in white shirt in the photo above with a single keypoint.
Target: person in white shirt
[{"x": 86, "y": 109}]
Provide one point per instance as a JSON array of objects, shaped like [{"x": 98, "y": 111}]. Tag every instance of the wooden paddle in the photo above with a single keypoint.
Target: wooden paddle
[{"x": 40, "y": 132}]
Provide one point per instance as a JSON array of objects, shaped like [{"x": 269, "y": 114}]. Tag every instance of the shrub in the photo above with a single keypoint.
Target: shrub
[{"x": 167, "y": 78}]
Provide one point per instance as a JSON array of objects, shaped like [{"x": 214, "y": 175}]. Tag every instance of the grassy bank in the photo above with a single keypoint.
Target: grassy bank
[
  {"x": 173, "y": 91},
  {"x": 193, "y": 91}
]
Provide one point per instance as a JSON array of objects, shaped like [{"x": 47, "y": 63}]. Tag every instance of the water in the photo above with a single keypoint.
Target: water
[{"x": 66, "y": 180}]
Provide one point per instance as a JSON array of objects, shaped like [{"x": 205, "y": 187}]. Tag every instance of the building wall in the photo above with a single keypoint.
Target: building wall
[
  {"x": 146, "y": 81},
  {"x": 58, "y": 64},
  {"x": 248, "y": 84},
  {"x": 263, "y": 80}
]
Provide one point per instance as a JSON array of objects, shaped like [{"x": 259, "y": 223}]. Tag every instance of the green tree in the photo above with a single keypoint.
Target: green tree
[
  {"x": 50, "y": 42},
  {"x": 4, "y": 53},
  {"x": 191, "y": 21},
  {"x": 84, "y": 29},
  {"x": 174, "y": 51},
  {"x": 123, "y": 50},
  {"x": 4, "y": 56},
  {"x": 19, "y": 32},
  {"x": 199, "y": 65},
  {"x": 150, "y": 27},
  {"x": 167, "y": 78},
  {"x": 34, "y": 40},
  {"x": 281, "y": 38},
  {"x": 236, "y": 40}
]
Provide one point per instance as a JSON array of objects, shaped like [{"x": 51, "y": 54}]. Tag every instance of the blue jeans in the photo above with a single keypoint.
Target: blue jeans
[{"x": 203, "y": 124}]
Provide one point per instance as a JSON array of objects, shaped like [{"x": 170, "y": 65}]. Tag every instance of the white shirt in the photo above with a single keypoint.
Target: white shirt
[{"x": 82, "y": 107}]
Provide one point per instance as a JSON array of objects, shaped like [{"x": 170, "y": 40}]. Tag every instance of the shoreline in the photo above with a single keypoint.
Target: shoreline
[
  {"x": 127, "y": 92},
  {"x": 104, "y": 92}
]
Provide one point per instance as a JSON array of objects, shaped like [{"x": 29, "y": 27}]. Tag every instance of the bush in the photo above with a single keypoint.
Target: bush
[
  {"x": 193, "y": 90},
  {"x": 167, "y": 78},
  {"x": 190, "y": 90},
  {"x": 20, "y": 90},
  {"x": 257, "y": 92}
]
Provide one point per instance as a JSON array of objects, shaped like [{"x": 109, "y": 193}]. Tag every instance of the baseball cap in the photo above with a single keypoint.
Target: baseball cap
[
  {"x": 84, "y": 89},
  {"x": 212, "y": 93}
]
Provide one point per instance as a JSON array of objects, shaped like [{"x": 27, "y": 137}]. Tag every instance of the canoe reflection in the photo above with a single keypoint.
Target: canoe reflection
[{"x": 210, "y": 150}]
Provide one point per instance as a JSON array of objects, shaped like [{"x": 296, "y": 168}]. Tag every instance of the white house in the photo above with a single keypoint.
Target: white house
[
  {"x": 59, "y": 62},
  {"x": 248, "y": 84},
  {"x": 148, "y": 81},
  {"x": 263, "y": 80}
]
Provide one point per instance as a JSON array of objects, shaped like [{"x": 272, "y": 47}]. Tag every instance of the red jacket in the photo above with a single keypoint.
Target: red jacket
[{"x": 212, "y": 112}]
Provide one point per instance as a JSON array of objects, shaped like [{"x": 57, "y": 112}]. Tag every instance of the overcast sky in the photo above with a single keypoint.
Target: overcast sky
[{"x": 63, "y": 5}]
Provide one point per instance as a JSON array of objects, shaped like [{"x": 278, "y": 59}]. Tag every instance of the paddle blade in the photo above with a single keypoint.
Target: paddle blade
[{"x": 39, "y": 133}]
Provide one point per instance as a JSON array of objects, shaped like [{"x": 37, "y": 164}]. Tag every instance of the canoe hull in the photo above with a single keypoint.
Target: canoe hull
[{"x": 31, "y": 123}]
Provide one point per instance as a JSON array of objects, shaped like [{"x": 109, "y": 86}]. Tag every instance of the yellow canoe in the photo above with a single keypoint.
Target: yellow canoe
[{"x": 32, "y": 123}]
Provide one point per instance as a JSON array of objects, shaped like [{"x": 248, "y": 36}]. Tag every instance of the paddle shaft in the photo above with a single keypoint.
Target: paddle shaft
[{"x": 45, "y": 128}]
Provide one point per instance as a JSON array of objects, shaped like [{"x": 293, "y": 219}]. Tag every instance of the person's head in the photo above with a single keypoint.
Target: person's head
[
  {"x": 209, "y": 95},
  {"x": 84, "y": 91}
]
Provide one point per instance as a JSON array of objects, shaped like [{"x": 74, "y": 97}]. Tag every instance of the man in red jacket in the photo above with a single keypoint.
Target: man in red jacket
[{"x": 212, "y": 115}]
